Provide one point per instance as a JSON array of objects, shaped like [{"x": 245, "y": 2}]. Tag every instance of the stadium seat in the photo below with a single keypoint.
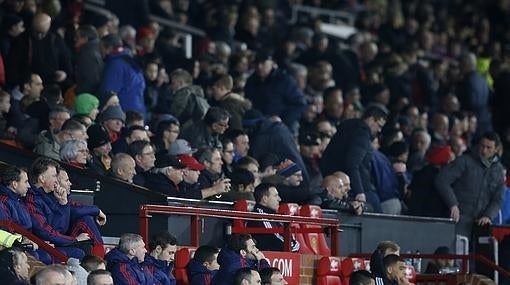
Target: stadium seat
[
  {"x": 242, "y": 206},
  {"x": 315, "y": 241},
  {"x": 328, "y": 271},
  {"x": 292, "y": 209},
  {"x": 349, "y": 265},
  {"x": 182, "y": 257}
]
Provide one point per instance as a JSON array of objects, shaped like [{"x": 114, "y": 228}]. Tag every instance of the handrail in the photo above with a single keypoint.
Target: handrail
[
  {"x": 464, "y": 258},
  {"x": 13, "y": 227},
  {"x": 197, "y": 213},
  {"x": 346, "y": 17}
]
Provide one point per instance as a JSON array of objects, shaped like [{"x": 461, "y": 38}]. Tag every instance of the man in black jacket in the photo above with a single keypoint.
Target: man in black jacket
[
  {"x": 334, "y": 194},
  {"x": 268, "y": 202},
  {"x": 350, "y": 151}
]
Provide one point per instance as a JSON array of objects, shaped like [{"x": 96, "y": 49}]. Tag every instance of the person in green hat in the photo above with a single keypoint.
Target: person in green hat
[{"x": 87, "y": 104}]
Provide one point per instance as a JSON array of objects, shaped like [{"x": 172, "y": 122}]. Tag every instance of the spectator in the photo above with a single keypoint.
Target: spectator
[
  {"x": 75, "y": 152},
  {"x": 125, "y": 261},
  {"x": 350, "y": 151},
  {"x": 190, "y": 185},
  {"x": 123, "y": 167},
  {"x": 246, "y": 276},
  {"x": 100, "y": 147},
  {"x": 420, "y": 143},
  {"x": 30, "y": 131},
  {"x": 160, "y": 261},
  {"x": 89, "y": 63},
  {"x": 14, "y": 266},
  {"x": 267, "y": 202},
  {"x": 133, "y": 133},
  {"x": 233, "y": 103},
  {"x": 309, "y": 147},
  {"x": 289, "y": 180},
  {"x": 335, "y": 188},
  {"x": 181, "y": 147},
  {"x": 275, "y": 93},
  {"x": 212, "y": 174},
  {"x": 440, "y": 129},
  {"x": 100, "y": 277},
  {"x": 333, "y": 105},
  {"x": 240, "y": 251},
  {"x": 54, "y": 274},
  {"x": 384, "y": 248},
  {"x": 143, "y": 154},
  {"x": 473, "y": 198},
  {"x": 272, "y": 276},
  {"x": 227, "y": 156},
  {"x": 437, "y": 266},
  {"x": 121, "y": 75},
  {"x": 167, "y": 132},
  {"x": 15, "y": 186},
  {"x": 203, "y": 266},
  {"x": 49, "y": 144},
  {"x": 6, "y": 131},
  {"x": 243, "y": 186},
  {"x": 112, "y": 119},
  {"x": 166, "y": 175},
  {"x": 206, "y": 133},
  {"x": 87, "y": 104},
  {"x": 241, "y": 143},
  {"x": 361, "y": 277},
  {"x": 93, "y": 263}
]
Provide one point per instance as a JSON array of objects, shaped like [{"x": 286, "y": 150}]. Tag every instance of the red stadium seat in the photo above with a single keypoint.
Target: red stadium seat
[
  {"x": 182, "y": 257},
  {"x": 328, "y": 271},
  {"x": 349, "y": 265},
  {"x": 292, "y": 209},
  {"x": 315, "y": 241},
  {"x": 242, "y": 206}
]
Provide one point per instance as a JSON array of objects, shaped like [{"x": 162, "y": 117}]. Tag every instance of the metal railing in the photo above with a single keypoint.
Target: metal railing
[
  {"x": 332, "y": 15},
  {"x": 197, "y": 214}
]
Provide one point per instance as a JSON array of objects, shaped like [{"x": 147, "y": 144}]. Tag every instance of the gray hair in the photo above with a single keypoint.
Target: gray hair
[
  {"x": 119, "y": 160},
  {"x": 40, "y": 278},
  {"x": 69, "y": 150},
  {"x": 296, "y": 68},
  {"x": 128, "y": 241}
]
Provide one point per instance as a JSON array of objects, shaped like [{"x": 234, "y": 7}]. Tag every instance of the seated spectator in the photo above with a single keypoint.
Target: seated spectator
[
  {"x": 440, "y": 265},
  {"x": 234, "y": 103},
  {"x": 54, "y": 274},
  {"x": 241, "y": 143},
  {"x": 252, "y": 165},
  {"x": 246, "y": 276},
  {"x": 203, "y": 266},
  {"x": 14, "y": 187},
  {"x": 43, "y": 177},
  {"x": 227, "y": 156},
  {"x": 100, "y": 277},
  {"x": 289, "y": 178},
  {"x": 240, "y": 251},
  {"x": 123, "y": 167},
  {"x": 384, "y": 248},
  {"x": 6, "y": 132},
  {"x": 14, "y": 267},
  {"x": 100, "y": 149},
  {"x": 144, "y": 156},
  {"x": 267, "y": 202},
  {"x": 92, "y": 263},
  {"x": 112, "y": 119},
  {"x": 166, "y": 175},
  {"x": 393, "y": 270},
  {"x": 74, "y": 152},
  {"x": 211, "y": 158},
  {"x": 335, "y": 188},
  {"x": 190, "y": 186},
  {"x": 88, "y": 105},
  {"x": 181, "y": 147},
  {"x": 125, "y": 261},
  {"x": 167, "y": 132},
  {"x": 133, "y": 133},
  {"x": 48, "y": 143},
  {"x": 77, "y": 271},
  {"x": 272, "y": 276},
  {"x": 206, "y": 133},
  {"x": 243, "y": 185},
  {"x": 159, "y": 262},
  {"x": 361, "y": 277}
]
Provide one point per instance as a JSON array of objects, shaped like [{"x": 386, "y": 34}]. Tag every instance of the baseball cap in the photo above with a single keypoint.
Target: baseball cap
[
  {"x": 164, "y": 160},
  {"x": 191, "y": 162},
  {"x": 180, "y": 147}
]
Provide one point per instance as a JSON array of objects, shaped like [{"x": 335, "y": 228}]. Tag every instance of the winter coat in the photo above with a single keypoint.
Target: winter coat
[
  {"x": 123, "y": 76},
  {"x": 89, "y": 67},
  {"x": 236, "y": 105},
  {"x": 198, "y": 274},
  {"x": 231, "y": 261},
  {"x": 188, "y": 104},
  {"x": 12, "y": 209},
  {"x": 160, "y": 270},
  {"x": 47, "y": 145},
  {"x": 350, "y": 151},
  {"x": 476, "y": 187},
  {"x": 127, "y": 271}
]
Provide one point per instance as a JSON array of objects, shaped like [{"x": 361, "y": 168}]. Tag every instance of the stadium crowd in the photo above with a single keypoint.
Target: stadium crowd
[{"x": 405, "y": 116}]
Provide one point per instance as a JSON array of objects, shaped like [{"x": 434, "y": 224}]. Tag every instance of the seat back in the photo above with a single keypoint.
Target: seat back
[
  {"x": 328, "y": 271},
  {"x": 182, "y": 257},
  {"x": 292, "y": 209},
  {"x": 315, "y": 241},
  {"x": 349, "y": 265},
  {"x": 242, "y": 206}
]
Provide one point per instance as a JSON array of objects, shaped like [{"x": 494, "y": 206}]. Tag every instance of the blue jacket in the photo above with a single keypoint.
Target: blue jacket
[
  {"x": 122, "y": 76},
  {"x": 11, "y": 208},
  {"x": 231, "y": 261},
  {"x": 160, "y": 270},
  {"x": 503, "y": 217},
  {"x": 198, "y": 274},
  {"x": 384, "y": 177},
  {"x": 127, "y": 271},
  {"x": 40, "y": 206}
]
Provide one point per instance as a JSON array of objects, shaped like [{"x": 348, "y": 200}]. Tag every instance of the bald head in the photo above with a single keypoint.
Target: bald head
[
  {"x": 41, "y": 24},
  {"x": 335, "y": 185}
]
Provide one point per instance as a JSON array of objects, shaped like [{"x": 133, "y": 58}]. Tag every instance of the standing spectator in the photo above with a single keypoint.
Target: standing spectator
[
  {"x": 122, "y": 75},
  {"x": 472, "y": 185},
  {"x": 203, "y": 266},
  {"x": 350, "y": 151},
  {"x": 206, "y": 133},
  {"x": 125, "y": 261},
  {"x": 224, "y": 98},
  {"x": 275, "y": 93},
  {"x": 89, "y": 62}
]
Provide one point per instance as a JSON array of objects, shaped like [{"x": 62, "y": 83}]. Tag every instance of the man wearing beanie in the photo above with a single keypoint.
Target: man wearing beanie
[
  {"x": 87, "y": 104},
  {"x": 288, "y": 179},
  {"x": 112, "y": 119},
  {"x": 100, "y": 147}
]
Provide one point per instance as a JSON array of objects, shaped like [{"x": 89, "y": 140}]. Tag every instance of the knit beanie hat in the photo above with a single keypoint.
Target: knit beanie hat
[
  {"x": 85, "y": 103},
  {"x": 98, "y": 136},
  {"x": 112, "y": 113},
  {"x": 287, "y": 168}
]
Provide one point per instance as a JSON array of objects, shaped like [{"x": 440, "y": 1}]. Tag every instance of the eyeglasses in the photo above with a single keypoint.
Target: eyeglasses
[{"x": 148, "y": 153}]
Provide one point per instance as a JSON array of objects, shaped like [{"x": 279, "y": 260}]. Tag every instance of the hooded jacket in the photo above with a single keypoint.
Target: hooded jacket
[
  {"x": 127, "y": 271},
  {"x": 198, "y": 274},
  {"x": 160, "y": 270},
  {"x": 231, "y": 261}
]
